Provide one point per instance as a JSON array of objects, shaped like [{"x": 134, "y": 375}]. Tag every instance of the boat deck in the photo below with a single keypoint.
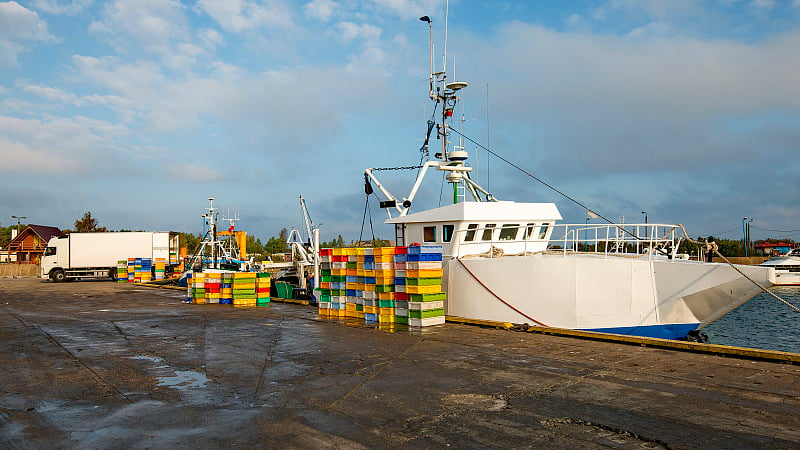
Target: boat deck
[{"x": 102, "y": 364}]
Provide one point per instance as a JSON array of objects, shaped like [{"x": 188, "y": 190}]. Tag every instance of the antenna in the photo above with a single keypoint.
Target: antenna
[{"x": 446, "y": 14}]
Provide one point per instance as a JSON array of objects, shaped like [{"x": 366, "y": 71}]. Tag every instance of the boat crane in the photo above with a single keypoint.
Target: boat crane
[{"x": 305, "y": 254}]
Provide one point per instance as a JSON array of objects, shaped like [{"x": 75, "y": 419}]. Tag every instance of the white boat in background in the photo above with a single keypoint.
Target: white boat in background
[
  {"x": 787, "y": 268},
  {"x": 513, "y": 262}
]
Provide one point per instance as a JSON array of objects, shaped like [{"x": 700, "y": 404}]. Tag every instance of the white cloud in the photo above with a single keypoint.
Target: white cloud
[
  {"x": 17, "y": 22},
  {"x": 50, "y": 93},
  {"x": 647, "y": 100},
  {"x": 652, "y": 29},
  {"x": 321, "y": 10},
  {"x": 55, "y": 145},
  {"x": 58, "y": 7},
  {"x": 578, "y": 23},
  {"x": 409, "y": 9},
  {"x": 210, "y": 39},
  {"x": 658, "y": 10},
  {"x": 242, "y": 15},
  {"x": 762, "y": 5},
  {"x": 152, "y": 24},
  {"x": 18, "y": 25},
  {"x": 349, "y": 31}
]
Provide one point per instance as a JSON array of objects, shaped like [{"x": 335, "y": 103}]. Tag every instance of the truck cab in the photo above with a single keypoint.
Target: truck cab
[{"x": 55, "y": 258}]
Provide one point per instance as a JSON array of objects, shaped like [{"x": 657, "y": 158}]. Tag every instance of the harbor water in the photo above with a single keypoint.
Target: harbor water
[{"x": 764, "y": 322}]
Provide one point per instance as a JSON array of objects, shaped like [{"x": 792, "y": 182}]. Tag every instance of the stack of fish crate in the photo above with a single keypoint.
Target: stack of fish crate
[
  {"x": 213, "y": 287},
  {"x": 160, "y": 268},
  {"x": 400, "y": 295},
  {"x": 324, "y": 285},
  {"x": 424, "y": 285},
  {"x": 339, "y": 283},
  {"x": 122, "y": 271},
  {"x": 384, "y": 282},
  {"x": 226, "y": 289},
  {"x": 263, "y": 286},
  {"x": 350, "y": 282},
  {"x": 244, "y": 289},
  {"x": 146, "y": 270},
  {"x": 197, "y": 288}
]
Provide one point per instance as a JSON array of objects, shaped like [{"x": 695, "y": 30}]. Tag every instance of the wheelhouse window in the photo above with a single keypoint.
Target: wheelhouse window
[
  {"x": 509, "y": 232},
  {"x": 487, "y": 232},
  {"x": 447, "y": 233},
  {"x": 429, "y": 234},
  {"x": 529, "y": 230},
  {"x": 470, "y": 234},
  {"x": 543, "y": 231}
]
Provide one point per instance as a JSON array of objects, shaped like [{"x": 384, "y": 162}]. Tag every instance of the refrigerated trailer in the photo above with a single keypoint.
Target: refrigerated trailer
[{"x": 95, "y": 255}]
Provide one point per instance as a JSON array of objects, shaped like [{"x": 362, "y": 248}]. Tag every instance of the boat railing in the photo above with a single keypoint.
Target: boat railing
[{"x": 629, "y": 240}]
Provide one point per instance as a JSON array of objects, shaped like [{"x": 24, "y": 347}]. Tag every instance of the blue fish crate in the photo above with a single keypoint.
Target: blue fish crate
[
  {"x": 400, "y": 258},
  {"x": 351, "y": 279},
  {"x": 350, "y": 292},
  {"x": 421, "y": 249},
  {"x": 369, "y": 280},
  {"x": 226, "y": 301},
  {"x": 369, "y": 317},
  {"x": 369, "y": 259},
  {"x": 369, "y": 265},
  {"x": 399, "y": 281},
  {"x": 424, "y": 257}
]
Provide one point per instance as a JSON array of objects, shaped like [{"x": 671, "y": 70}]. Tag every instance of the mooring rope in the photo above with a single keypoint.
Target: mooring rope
[
  {"x": 495, "y": 295},
  {"x": 787, "y": 303}
]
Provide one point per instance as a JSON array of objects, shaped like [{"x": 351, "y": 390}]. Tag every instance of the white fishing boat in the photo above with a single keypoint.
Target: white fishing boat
[
  {"x": 514, "y": 262},
  {"x": 787, "y": 268}
]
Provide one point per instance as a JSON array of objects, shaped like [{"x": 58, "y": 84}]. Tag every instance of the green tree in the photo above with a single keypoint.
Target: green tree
[
  {"x": 5, "y": 233},
  {"x": 87, "y": 224},
  {"x": 190, "y": 241},
  {"x": 255, "y": 248},
  {"x": 276, "y": 245}
]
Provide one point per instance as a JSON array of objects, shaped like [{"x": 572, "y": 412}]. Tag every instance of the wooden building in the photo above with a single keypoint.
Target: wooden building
[{"x": 30, "y": 243}]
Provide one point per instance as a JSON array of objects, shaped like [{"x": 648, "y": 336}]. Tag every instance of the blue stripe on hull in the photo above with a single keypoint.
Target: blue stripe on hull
[{"x": 667, "y": 331}]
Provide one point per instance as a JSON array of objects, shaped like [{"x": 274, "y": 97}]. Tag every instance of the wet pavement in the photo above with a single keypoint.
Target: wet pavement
[{"x": 102, "y": 364}]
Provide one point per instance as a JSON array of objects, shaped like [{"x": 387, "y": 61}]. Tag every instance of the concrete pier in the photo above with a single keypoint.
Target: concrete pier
[{"x": 102, "y": 364}]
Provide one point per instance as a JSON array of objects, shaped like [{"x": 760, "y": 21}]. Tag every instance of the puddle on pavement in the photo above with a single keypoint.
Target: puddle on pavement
[{"x": 184, "y": 379}]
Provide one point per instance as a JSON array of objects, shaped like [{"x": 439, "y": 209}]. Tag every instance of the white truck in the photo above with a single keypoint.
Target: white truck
[{"x": 95, "y": 255}]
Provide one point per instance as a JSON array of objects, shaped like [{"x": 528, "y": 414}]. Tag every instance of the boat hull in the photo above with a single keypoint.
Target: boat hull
[{"x": 634, "y": 296}]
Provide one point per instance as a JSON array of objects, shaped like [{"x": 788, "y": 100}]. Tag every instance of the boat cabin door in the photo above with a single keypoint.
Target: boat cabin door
[{"x": 400, "y": 234}]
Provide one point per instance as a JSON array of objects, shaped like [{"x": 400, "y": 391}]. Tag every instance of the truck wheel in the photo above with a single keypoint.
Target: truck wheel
[
  {"x": 57, "y": 276},
  {"x": 112, "y": 273}
]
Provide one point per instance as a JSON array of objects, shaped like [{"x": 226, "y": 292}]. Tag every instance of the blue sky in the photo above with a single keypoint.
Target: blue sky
[{"x": 138, "y": 110}]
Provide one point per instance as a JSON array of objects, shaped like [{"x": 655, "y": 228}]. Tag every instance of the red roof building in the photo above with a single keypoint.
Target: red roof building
[
  {"x": 30, "y": 243},
  {"x": 772, "y": 248}
]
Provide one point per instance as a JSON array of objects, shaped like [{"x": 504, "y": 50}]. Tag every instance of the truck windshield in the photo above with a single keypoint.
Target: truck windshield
[{"x": 49, "y": 251}]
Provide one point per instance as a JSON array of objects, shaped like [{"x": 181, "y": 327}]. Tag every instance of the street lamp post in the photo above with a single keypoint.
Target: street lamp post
[
  {"x": 744, "y": 235},
  {"x": 19, "y": 218},
  {"x": 586, "y": 235},
  {"x": 18, "y": 221},
  {"x": 645, "y": 224}
]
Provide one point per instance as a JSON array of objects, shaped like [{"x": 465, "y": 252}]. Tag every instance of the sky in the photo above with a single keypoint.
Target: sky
[{"x": 139, "y": 110}]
